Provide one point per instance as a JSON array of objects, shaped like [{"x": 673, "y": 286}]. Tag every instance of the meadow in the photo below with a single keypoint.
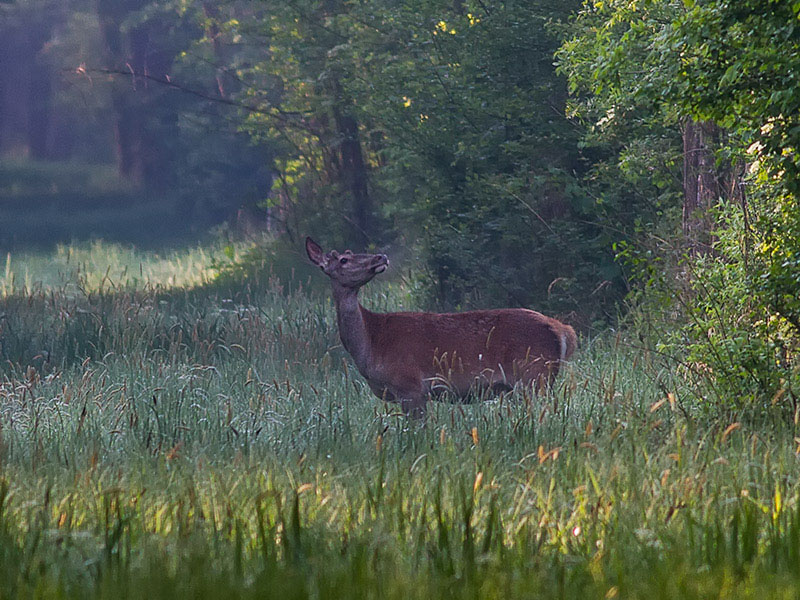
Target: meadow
[{"x": 166, "y": 432}]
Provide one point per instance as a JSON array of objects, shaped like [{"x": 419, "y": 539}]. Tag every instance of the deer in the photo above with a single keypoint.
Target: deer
[{"x": 411, "y": 357}]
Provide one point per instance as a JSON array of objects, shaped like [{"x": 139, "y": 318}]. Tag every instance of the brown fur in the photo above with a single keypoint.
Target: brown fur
[{"x": 426, "y": 353}]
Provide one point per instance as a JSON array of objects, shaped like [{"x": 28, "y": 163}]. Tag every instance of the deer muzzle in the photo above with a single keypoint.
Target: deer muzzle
[{"x": 380, "y": 264}]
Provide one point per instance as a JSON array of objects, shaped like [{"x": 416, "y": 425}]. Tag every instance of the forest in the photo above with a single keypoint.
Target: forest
[{"x": 178, "y": 416}]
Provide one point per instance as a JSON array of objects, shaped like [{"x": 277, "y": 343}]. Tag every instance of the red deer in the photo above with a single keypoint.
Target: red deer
[{"x": 407, "y": 357}]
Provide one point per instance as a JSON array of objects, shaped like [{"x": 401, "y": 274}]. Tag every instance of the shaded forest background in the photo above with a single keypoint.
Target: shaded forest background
[{"x": 560, "y": 155}]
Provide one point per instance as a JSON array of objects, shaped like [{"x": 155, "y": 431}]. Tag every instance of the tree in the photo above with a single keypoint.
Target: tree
[
  {"x": 296, "y": 97},
  {"x": 140, "y": 42},
  {"x": 27, "y": 117},
  {"x": 479, "y": 154},
  {"x": 623, "y": 56},
  {"x": 724, "y": 73},
  {"x": 744, "y": 77},
  {"x": 386, "y": 109}
]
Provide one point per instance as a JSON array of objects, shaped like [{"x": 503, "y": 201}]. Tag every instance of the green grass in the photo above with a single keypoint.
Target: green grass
[
  {"x": 168, "y": 436},
  {"x": 99, "y": 266}
]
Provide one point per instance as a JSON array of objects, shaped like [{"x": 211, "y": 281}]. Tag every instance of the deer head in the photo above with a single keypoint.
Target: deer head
[{"x": 346, "y": 269}]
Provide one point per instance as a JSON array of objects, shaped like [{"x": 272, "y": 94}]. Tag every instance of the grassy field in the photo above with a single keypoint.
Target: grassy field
[{"x": 163, "y": 435}]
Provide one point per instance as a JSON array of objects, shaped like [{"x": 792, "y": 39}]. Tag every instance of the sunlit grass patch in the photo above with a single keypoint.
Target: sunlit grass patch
[{"x": 102, "y": 266}]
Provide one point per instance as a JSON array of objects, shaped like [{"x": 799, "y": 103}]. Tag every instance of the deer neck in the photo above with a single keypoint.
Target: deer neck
[{"x": 352, "y": 326}]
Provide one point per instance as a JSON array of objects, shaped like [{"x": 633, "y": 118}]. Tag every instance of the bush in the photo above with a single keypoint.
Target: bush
[{"x": 712, "y": 316}]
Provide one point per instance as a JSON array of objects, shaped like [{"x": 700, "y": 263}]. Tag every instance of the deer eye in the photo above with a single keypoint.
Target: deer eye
[{"x": 343, "y": 260}]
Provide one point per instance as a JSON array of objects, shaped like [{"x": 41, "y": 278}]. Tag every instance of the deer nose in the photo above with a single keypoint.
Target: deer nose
[{"x": 379, "y": 263}]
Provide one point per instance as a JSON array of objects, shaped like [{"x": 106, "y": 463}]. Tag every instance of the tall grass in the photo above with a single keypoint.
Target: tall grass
[{"x": 189, "y": 438}]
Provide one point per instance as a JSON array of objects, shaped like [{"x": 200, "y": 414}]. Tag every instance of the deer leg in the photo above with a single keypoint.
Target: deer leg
[
  {"x": 545, "y": 378},
  {"x": 414, "y": 408},
  {"x": 501, "y": 387},
  {"x": 381, "y": 392},
  {"x": 412, "y": 403}
]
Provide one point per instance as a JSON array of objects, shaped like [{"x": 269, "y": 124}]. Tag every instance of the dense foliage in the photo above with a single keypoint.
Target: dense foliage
[
  {"x": 393, "y": 127},
  {"x": 726, "y": 69},
  {"x": 93, "y": 84}
]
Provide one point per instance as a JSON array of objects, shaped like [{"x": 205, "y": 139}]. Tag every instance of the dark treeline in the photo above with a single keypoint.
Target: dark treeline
[
  {"x": 551, "y": 154},
  {"x": 88, "y": 83}
]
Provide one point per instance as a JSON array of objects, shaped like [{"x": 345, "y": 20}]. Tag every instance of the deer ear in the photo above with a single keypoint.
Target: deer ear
[{"x": 315, "y": 253}]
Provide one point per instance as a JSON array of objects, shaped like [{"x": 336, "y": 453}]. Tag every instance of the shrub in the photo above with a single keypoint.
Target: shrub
[{"x": 712, "y": 315}]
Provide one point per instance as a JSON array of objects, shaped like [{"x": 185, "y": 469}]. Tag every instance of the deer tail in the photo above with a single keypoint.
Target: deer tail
[{"x": 569, "y": 341}]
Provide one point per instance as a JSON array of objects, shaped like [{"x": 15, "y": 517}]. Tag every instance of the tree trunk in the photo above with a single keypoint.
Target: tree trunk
[
  {"x": 211, "y": 13},
  {"x": 702, "y": 186},
  {"x": 40, "y": 90},
  {"x": 138, "y": 129},
  {"x": 353, "y": 166},
  {"x": 4, "y": 83},
  {"x": 39, "y": 112},
  {"x": 16, "y": 82}
]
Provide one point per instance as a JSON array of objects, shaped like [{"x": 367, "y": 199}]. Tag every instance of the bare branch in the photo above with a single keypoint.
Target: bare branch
[{"x": 271, "y": 111}]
